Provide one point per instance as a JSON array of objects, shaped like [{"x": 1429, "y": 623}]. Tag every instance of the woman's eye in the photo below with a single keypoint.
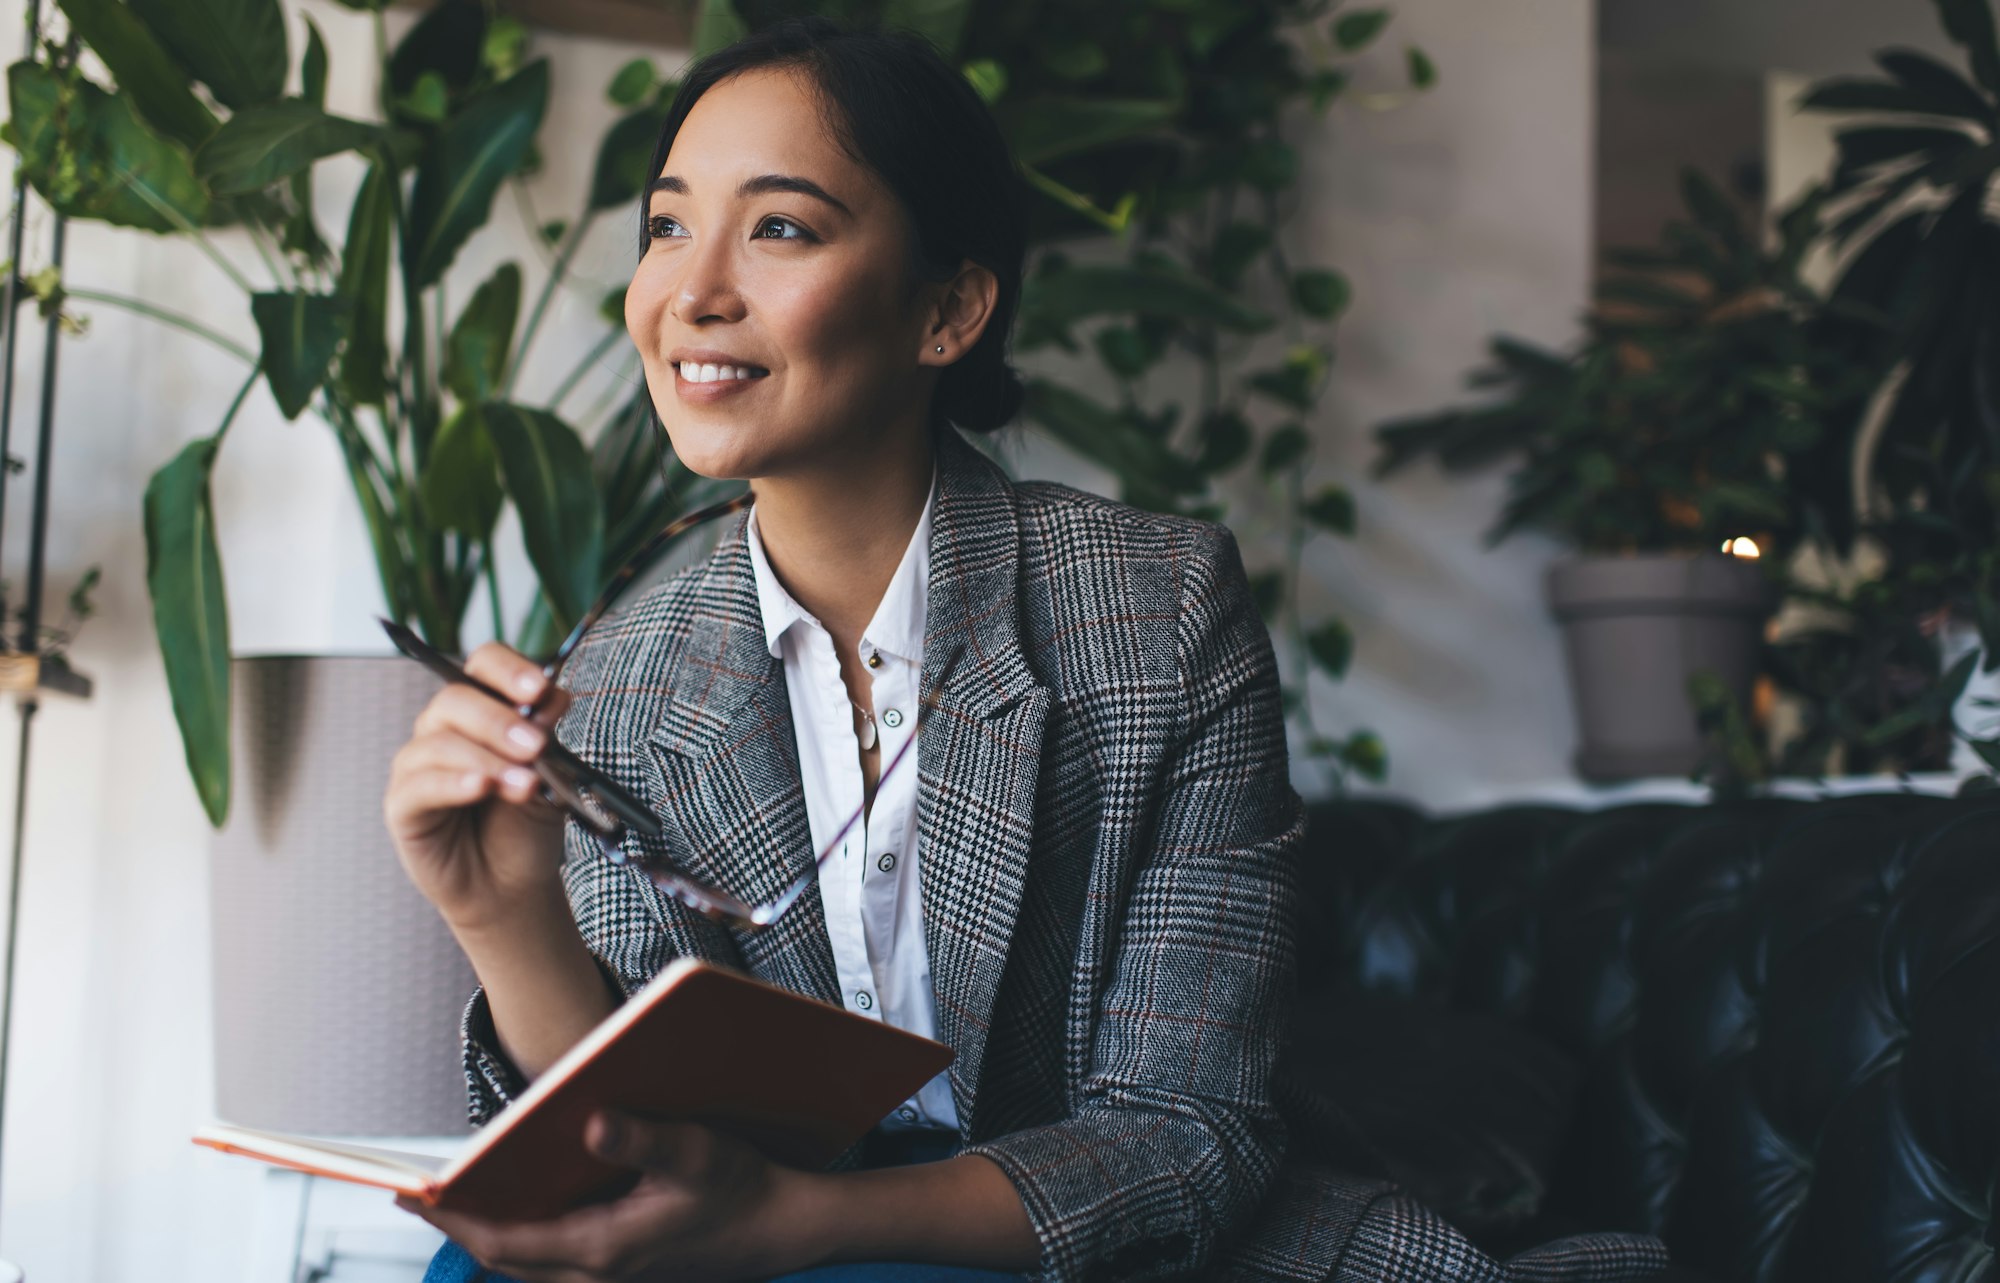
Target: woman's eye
[
  {"x": 663, "y": 226},
  {"x": 781, "y": 229}
]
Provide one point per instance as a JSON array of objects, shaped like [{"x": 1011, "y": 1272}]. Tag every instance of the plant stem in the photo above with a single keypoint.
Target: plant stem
[
  {"x": 189, "y": 230},
  {"x": 242, "y": 393},
  {"x": 262, "y": 243},
  {"x": 589, "y": 361},
  {"x": 161, "y": 314},
  {"x": 493, "y": 597},
  {"x": 571, "y": 241}
]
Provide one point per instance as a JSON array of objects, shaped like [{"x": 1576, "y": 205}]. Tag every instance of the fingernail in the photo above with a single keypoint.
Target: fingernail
[
  {"x": 526, "y": 736},
  {"x": 610, "y": 1132},
  {"x": 519, "y": 777},
  {"x": 529, "y": 683}
]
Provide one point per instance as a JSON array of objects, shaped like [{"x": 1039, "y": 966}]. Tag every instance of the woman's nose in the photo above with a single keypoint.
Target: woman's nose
[{"x": 706, "y": 290}]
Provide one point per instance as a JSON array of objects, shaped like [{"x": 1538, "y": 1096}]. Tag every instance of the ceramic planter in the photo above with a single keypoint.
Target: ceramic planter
[
  {"x": 1634, "y": 630},
  {"x": 338, "y": 990}
]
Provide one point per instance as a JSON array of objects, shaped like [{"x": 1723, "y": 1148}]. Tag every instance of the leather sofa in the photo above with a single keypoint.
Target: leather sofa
[{"x": 1767, "y": 1031}]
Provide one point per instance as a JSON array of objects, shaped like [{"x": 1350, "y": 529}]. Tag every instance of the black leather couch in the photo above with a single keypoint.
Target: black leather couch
[{"x": 1768, "y": 1032}]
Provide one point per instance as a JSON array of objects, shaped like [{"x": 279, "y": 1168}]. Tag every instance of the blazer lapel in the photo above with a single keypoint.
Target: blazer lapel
[
  {"x": 979, "y": 752},
  {"x": 726, "y": 773}
]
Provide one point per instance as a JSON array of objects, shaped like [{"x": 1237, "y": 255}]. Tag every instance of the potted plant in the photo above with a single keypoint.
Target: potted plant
[
  {"x": 1885, "y": 668},
  {"x": 1681, "y": 450},
  {"x": 195, "y": 135}
]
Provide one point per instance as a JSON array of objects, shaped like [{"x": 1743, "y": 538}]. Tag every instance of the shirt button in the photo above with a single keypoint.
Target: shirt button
[
  {"x": 887, "y": 862},
  {"x": 907, "y": 1114},
  {"x": 863, "y": 999},
  {"x": 892, "y": 718}
]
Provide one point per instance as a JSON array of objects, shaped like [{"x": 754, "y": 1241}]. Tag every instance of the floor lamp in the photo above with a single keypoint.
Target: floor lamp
[{"x": 22, "y": 671}]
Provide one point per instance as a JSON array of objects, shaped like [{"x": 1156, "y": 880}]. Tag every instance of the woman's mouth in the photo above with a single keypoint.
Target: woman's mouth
[{"x": 703, "y": 381}]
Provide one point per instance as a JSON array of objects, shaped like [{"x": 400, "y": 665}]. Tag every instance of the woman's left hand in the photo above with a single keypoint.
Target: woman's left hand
[{"x": 707, "y": 1206}]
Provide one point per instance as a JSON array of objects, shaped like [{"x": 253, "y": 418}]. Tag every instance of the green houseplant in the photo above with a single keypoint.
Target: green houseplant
[
  {"x": 197, "y": 134},
  {"x": 1918, "y": 245},
  {"x": 1159, "y": 136},
  {"x": 435, "y": 437},
  {"x": 1694, "y": 413}
]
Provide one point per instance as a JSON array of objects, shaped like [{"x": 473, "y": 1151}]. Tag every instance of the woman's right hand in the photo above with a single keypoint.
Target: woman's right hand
[{"x": 464, "y": 806}]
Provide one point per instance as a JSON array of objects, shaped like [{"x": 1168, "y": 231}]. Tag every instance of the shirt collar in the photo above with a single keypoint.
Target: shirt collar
[{"x": 898, "y": 625}]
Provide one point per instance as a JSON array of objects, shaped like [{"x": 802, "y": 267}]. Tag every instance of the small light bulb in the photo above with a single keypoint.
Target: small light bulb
[{"x": 1742, "y": 547}]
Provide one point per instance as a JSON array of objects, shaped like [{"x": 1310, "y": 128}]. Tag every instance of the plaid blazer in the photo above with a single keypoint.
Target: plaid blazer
[{"x": 1107, "y": 875}]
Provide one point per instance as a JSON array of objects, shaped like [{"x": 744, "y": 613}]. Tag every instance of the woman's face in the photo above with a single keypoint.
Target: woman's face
[{"x": 775, "y": 307}]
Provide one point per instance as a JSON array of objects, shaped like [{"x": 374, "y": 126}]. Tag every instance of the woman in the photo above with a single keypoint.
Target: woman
[{"x": 1086, "y": 885}]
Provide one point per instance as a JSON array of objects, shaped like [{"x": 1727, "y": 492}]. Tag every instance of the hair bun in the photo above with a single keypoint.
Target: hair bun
[{"x": 981, "y": 393}]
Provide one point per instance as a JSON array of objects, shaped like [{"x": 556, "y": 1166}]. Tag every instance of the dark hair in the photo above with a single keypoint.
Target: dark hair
[{"x": 902, "y": 111}]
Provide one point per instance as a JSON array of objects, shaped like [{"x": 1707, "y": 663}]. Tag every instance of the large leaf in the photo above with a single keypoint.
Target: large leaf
[
  {"x": 623, "y": 158},
  {"x": 1045, "y": 129},
  {"x": 235, "y": 47},
  {"x": 444, "y": 43},
  {"x": 300, "y": 332},
  {"x": 476, "y": 353},
  {"x": 716, "y": 23},
  {"x": 93, "y": 159},
  {"x": 462, "y": 169},
  {"x": 1061, "y": 298},
  {"x": 259, "y": 146},
  {"x": 143, "y": 69},
  {"x": 312, "y": 67},
  {"x": 460, "y": 487},
  {"x": 364, "y": 288},
  {"x": 1970, "y": 24},
  {"x": 1099, "y": 434},
  {"x": 184, "y": 576},
  {"x": 546, "y": 472},
  {"x": 942, "y": 22},
  {"x": 1944, "y": 88}
]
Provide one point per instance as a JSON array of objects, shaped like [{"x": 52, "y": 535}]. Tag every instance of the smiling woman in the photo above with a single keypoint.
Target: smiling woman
[{"x": 1085, "y": 888}]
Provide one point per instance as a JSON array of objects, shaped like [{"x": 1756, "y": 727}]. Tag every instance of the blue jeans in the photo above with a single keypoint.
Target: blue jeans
[
  {"x": 884, "y": 1149},
  {"x": 452, "y": 1265}
]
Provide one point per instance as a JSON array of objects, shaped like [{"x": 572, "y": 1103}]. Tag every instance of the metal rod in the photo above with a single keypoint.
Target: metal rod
[
  {"x": 10, "y": 300},
  {"x": 28, "y": 707},
  {"x": 10, "y": 328},
  {"x": 38, "y": 534}
]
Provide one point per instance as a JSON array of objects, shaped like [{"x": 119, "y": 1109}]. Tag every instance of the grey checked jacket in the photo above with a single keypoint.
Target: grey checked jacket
[{"x": 1107, "y": 877}]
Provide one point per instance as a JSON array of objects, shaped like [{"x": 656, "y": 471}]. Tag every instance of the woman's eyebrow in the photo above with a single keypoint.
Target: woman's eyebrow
[{"x": 758, "y": 186}]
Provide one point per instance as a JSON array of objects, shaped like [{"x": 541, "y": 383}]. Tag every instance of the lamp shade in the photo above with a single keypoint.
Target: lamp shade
[{"x": 338, "y": 989}]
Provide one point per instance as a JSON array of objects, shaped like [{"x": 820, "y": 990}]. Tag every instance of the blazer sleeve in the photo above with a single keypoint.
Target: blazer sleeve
[
  {"x": 630, "y": 928},
  {"x": 619, "y": 928},
  {"x": 1175, "y": 1136}
]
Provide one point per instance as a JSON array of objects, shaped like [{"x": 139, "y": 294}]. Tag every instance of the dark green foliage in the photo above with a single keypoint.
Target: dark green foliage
[{"x": 1697, "y": 407}]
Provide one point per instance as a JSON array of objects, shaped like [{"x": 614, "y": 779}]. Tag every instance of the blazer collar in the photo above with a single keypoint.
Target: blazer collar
[{"x": 724, "y": 741}]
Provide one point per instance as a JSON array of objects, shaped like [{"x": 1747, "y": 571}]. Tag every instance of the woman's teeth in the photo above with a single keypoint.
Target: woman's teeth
[{"x": 696, "y": 372}]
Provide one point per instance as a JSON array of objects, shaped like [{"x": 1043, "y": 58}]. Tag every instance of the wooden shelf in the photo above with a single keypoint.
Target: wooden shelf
[
  {"x": 659, "y": 24},
  {"x": 22, "y": 674}
]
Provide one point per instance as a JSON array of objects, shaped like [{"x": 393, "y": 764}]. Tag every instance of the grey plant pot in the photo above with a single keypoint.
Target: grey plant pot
[
  {"x": 1634, "y": 630},
  {"x": 338, "y": 989}
]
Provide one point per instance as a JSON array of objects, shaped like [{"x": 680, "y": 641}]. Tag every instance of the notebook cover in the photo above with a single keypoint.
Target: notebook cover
[{"x": 798, "y": 1078}]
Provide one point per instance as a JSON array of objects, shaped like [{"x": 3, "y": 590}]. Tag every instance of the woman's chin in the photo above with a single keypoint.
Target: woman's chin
[{"x": 718, "y": 454}]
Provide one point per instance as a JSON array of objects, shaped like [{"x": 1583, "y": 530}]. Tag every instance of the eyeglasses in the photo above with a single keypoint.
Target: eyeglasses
[{"x": 603, "y": 807}]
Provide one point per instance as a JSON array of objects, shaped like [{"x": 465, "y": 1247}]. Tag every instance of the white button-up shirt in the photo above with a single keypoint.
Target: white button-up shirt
[{"x": 869, "y": 887}]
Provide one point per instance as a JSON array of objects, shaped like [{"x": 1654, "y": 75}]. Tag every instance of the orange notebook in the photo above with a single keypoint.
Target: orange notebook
[{"x": 799, "y": 1079}]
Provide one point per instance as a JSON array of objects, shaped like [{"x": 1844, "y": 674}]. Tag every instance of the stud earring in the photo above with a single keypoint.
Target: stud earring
[{"x": 940, "y": 348}]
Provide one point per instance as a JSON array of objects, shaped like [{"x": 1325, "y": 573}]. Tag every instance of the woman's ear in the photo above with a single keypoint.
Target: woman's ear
[{"x": 959, "y": 316}]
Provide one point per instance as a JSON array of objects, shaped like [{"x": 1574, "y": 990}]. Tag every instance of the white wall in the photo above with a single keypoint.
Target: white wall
[{"x": 1465, "y": 212}]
